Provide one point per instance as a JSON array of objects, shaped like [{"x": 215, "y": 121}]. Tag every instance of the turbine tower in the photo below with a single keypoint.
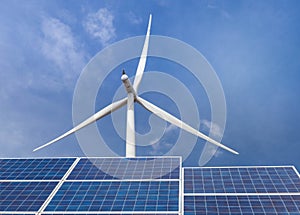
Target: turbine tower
[{"x": 132, "y": 97}]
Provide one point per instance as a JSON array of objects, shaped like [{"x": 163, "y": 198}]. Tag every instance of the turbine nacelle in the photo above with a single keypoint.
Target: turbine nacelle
[{"x": 127, "y": 84}]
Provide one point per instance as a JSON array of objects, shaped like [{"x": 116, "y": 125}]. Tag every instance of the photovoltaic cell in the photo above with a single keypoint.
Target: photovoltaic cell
[
  {"x": 109, "y": 214},
  {"x": 274, "y": 204},
  {"x": 116, "y": 196},
  {"x": 34, "y": 169},
  {"x": 24, "y": 196},
  {"x": 241, "y": 180},
  {"x": 125, "y": 168}
]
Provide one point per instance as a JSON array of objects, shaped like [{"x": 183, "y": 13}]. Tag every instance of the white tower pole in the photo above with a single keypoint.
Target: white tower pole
[{"x": 130, "y": 129}]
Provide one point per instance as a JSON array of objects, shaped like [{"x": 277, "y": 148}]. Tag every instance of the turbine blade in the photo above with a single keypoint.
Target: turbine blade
[
  {"x": 105, "y": 111},
  {"x": 173, "y": 120},
  {"x": 143, "y": 59}
]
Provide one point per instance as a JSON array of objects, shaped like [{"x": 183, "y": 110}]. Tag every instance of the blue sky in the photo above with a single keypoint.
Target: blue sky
[{"x": 252, "y": 46}]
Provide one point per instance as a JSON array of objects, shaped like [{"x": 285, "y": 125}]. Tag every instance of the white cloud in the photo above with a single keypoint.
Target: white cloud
[
  {"x": 160, "y": 145},
  {"x": 61, "y": 47},
  {"x": 210, "y": 150},
  {"x": 171, "y": 128},
  {"x": 134, "y": 19},
  {"x": 214, "y": 128},
  {"x": 100, "y": 26}
]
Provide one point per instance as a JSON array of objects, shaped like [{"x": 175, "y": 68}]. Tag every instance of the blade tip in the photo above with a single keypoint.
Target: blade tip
[{"x": 150, "y": 18}]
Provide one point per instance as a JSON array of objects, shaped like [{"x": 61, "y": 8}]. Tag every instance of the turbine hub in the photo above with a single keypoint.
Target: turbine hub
[
  {"x": 124, "y": 77},
  {"x": 127, "y": 84}
]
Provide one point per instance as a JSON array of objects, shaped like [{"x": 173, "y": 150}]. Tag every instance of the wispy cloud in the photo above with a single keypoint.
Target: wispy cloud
[
  {"x": 100, "y": 26},
  {"x": 214, "y": 128},
  {"x": 214, "y": 5},
  {"x": 59, "y": 45},
  {"x": 210, "y": 150},
  {"x": 134, "y": 19},
  {"x": 160, "y": 145}
]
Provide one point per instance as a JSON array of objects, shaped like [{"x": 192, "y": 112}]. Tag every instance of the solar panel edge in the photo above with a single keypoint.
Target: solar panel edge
[
  {"x": 181, "y": 192},
  {"x": 129, "y": 158},
  {"x": 297, "y": 172}
]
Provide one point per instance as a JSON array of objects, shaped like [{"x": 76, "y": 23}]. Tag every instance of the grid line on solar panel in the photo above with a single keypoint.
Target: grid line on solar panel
[
  {"x": 111, "y": 213},
  {"x": 275, "y": 204},
  {"x": 24, "y": 196},
  {"x": 34, "y": 169},
  {"x": 124, "y": 168},
  {"x": 116, "y": 196},
  {"x": 241, "y": 180}
]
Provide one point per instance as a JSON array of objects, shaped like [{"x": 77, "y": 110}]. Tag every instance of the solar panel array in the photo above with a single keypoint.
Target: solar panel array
[
  {"x": 153, "y": 185},
  {"x": 91, "y": 186},
  {"x": 242, "y": 190}
]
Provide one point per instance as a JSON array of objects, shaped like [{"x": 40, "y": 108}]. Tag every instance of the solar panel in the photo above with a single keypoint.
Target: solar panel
[
  {"x": 116, "y": 196},
  {"x": 269, "y": 204},
  {"x": 34, "y": 169},
  {"x": 124, "y": 168},
  {"x": 19, "y": 214},
  {"x": 24, "y": 196},
  {"x": 241, "y": 190},
  {"x": 241, "y": 180},
  {"x": 108, "y": 213},
  {"x": 120, "y": 184}
]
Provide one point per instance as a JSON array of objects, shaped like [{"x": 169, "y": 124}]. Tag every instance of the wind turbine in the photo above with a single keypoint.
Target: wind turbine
[{"x": 132, "y": 97}]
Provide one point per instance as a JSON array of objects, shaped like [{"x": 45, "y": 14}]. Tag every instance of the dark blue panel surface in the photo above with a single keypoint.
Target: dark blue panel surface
[
  {"x": 24, "y": 196},
  {"x": 116, "y": 196},
  {"x": 113, "y": 213},
  {"x": 124, "y": 168},
  {"x": 241, "y": 180},
  {"x": 34, "y": 169},
  {"x": 242, "y": 204}
]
